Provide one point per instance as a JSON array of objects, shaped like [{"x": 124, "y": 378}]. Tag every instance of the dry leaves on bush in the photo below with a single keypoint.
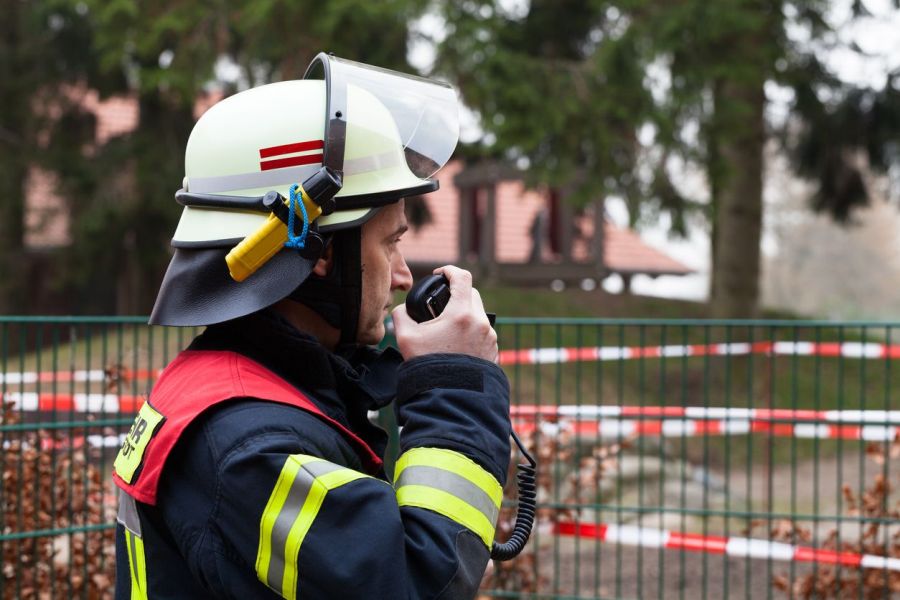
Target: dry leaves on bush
[{"x": 46, "y": 489}]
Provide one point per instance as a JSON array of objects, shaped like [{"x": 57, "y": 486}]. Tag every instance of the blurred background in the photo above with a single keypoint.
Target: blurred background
[
  {"x": 753, "y": 145},
  {"x": 669, "y": 159}
]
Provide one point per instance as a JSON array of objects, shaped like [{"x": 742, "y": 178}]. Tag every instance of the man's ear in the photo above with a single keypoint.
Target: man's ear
[{"x": 324, "y": 264}]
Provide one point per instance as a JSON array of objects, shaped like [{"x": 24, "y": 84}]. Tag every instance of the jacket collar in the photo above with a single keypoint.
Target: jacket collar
[{"x": 345, "y": 384}]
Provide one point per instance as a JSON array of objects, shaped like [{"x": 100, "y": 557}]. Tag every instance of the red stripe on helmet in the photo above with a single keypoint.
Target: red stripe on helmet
[
  {"x": 291, "y": 148},
  {"x": 292, "y": 161}
]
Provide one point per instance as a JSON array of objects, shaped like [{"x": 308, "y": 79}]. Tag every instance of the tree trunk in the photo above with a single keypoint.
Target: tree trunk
[
  {"x": 714, "y": 175},
  {"x": 738, "y": 216},
  {"x": 736, "y": 161}
]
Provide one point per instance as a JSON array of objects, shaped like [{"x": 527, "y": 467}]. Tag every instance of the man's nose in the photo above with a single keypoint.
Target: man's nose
[{"x": 401, "y": 276}]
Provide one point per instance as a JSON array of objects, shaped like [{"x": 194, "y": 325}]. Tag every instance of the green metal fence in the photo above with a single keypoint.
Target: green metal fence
[{"x": 678, "y": 459}]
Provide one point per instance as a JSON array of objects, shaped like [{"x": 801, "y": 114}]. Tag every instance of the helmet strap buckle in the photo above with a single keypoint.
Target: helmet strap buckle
[{"x": 313, "y": 247}]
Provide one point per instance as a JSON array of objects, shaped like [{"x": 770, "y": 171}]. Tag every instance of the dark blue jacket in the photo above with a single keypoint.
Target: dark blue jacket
[{"x": 207, "y": 533}]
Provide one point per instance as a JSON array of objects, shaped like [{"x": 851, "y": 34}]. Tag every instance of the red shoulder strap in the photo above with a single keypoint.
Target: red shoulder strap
[{"x": 192, "y": 383}]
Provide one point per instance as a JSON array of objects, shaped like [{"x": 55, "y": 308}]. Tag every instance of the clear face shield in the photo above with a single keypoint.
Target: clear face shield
[{"x": 373, "y": 112}]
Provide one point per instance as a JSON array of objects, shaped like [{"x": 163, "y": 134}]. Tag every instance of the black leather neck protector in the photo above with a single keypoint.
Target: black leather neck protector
[{"x": 337, "y": 296}]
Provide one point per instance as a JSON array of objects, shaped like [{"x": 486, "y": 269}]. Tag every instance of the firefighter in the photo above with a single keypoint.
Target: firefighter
[{"x": 253, "y": 470}]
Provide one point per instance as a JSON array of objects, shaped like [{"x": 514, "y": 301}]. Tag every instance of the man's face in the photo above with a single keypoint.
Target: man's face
[{"x": 383, "y": 270}]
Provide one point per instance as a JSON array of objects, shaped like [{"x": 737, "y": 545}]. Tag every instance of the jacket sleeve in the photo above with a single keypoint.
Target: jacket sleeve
[{"x": 312, "y": 528}]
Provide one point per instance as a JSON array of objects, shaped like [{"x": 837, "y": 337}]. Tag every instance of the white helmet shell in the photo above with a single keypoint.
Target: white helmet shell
[{"x": 269, "y": 138}]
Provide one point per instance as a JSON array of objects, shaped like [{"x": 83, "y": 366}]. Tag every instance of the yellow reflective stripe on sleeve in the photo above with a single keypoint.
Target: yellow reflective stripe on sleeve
[
  {"x": 450, "y": 506},
  {"x": 450, "y": 484},
  {"x": 292, "y": 508},
  {"x": 454, "y": 462},
  {"x": 136, "y": 565}
]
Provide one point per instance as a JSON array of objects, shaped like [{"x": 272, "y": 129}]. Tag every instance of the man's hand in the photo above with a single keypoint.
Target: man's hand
[{"x": 463, "y": 327}]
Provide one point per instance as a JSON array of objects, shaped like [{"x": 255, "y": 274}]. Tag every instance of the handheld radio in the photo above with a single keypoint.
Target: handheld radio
[{"x": 425, "y": 301}]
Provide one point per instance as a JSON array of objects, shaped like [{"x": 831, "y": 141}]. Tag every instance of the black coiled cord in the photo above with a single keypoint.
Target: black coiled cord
[
  {"x": 525, "y": 480},
  {"x": 425, "y": 301}
]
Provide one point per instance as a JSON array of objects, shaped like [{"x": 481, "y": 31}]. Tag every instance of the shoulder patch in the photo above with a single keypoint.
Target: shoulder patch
[{"x": 145, "y": 426}]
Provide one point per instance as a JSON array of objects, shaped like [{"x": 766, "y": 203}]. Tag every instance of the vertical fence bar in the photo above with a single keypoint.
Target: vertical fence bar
[
  {"x": 861, "y": 449},
  {"x": 5, "y": 446},
  {"x": 841, "y": 405},
  {"x": 620, "y": 396},
  {"x": 748, "y": 464},
  {"x": 36, "y": 468},
  {"x": 600, "y": 514},
  {"x": 54, "y": 509},
  {"x": 794, "y": 382},
  {"x": 537, "y": 444},
  {"x": 683, "y": 458},
  {"x": 661, "y": 457},
  {"x": 707, "y": 468},
  {"x": 886, "y": 466},
  {"x": 576, "y": 460},
  {"x": 726, "y": 564}
]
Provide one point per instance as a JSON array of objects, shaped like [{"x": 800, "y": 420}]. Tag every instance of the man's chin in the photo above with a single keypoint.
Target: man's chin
[{"x": 371, "y": 337}]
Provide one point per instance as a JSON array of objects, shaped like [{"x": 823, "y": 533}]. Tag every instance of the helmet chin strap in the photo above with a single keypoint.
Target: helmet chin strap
[{"x": 337, "y": 296}]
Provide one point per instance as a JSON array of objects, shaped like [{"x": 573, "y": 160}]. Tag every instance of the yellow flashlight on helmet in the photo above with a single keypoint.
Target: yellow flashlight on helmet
[{"x": 317, "y": 195}]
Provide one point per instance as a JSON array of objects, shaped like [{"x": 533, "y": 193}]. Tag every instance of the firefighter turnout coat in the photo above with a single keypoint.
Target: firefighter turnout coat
[{"x": 253, "y": 471}]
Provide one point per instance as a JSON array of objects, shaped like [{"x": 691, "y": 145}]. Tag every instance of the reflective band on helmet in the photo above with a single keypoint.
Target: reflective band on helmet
[
  {"x": 450, "y": 484},
  {"x": 246, "y": 181},
  {"x": 136, "y": 565},
  {"x": 295, "y": 501}
]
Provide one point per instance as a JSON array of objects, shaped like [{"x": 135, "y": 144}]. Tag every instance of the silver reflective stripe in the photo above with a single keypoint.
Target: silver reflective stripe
[
  {"x": 247, "y": 181},
  {"x": 293, "y": 504},
  {"x": 128, "y": 515},
  {"x": 367, "y": 164},
  {"x": 453, "y": 484}
]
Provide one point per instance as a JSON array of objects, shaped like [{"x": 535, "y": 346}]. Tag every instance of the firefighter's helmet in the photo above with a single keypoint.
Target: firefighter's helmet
[{"x": 381, "y": 134}]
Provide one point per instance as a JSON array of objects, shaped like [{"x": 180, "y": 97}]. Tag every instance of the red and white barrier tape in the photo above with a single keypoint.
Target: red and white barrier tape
[
  {"x": 536, "y": 356},
  {"x": 76, "y": 442},
  {"x": 880, "y": 417},
  {"x": 531, "y": 356},
  {"x": 77, "y": 376},
  {"x": 616, "y": 428},
  {"x": 646, "y": 537},
  {"x": 90, "y": 403}
]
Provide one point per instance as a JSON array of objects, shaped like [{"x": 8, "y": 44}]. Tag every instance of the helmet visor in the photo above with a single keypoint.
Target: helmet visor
[{"x": 424, "y": 117}]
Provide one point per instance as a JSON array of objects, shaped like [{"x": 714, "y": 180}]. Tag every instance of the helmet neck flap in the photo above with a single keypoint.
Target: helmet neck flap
[{"x": 337, "y": 297}]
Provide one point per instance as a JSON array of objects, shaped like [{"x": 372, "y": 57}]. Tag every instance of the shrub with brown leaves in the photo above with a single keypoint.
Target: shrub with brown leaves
[
  {"x": 876, "y": 507},
  {"x": 47, "y": 490}
]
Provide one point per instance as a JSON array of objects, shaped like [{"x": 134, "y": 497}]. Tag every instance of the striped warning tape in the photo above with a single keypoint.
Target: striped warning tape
[
  {"x": 535, "y": 356},
  {"x": 880, "y": 417},
  {"x": 646, "y": 537},
  {"x": 542, "y": 356},
  {"x": 618, "y": 428},
  {"x": 77, "y": 376},
  {"x": 75, "y": 442}
]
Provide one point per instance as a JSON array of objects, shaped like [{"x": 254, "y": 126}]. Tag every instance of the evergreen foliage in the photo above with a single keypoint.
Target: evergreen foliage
[
  {"x": 574, "y": 89},
  {"x": 164, "y": 55}
]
